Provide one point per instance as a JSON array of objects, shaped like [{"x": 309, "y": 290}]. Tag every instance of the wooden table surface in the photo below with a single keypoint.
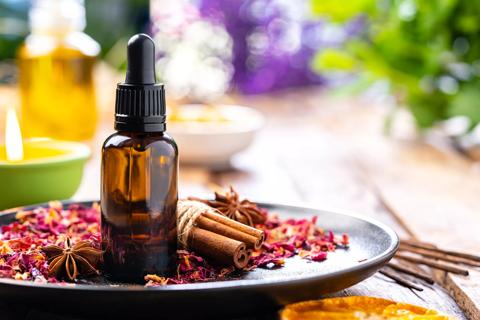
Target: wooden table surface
[{"x": 331, "y": 153}]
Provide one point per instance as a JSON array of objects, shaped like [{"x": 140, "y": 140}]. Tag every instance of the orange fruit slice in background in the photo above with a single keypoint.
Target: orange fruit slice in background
[{"x": 358, "y": 308}]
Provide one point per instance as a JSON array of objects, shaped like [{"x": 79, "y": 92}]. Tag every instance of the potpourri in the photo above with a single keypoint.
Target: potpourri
[
  {"x": 21, "y": 242},
  {"x": 22, "y": 258}
]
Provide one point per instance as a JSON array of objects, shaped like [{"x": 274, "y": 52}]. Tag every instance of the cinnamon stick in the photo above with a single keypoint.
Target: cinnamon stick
[
  {"x": 220, "y": 248},
  {"x": 400, "y": 280},
  {"x": 439, "y": 256},
  {"x": 215, "y": 236},
  {"x": 433, "y": 264},
  {"x": 430, "y": 247},
  {"x": 414, "y": 273},
  {"x": 254, "y": 238}
]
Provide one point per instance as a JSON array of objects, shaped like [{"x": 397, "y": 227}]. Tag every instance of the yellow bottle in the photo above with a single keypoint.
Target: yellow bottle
[{"x": 56, "y": 73}]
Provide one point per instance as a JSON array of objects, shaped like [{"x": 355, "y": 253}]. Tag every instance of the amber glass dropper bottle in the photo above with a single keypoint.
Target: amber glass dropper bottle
[{"x": 139, "y": 175}]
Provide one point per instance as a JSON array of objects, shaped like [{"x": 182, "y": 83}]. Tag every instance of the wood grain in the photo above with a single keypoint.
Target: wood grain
[{"x": 466, "y": 292}]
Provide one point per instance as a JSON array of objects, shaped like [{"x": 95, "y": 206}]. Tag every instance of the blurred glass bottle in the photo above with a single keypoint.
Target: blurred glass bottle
[{"x": 56, "y": 73}]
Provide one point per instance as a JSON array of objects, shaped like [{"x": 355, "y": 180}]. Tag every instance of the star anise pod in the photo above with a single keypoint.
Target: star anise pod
[
  {"x": 72, "y": 261},
  {"x": 229, "y": 205}
]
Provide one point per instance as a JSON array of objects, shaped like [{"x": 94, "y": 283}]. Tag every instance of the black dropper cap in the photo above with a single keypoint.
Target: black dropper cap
[{"x": 140, "y": 101}]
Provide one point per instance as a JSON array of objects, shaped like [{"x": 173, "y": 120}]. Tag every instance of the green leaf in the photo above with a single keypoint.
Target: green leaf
[
  {"x": 428, "y": 109},
  {"x": 333, "y": 60},
  {"x": 467, "y": 103},
  {"x": 468, "y": 24},
  {"x": 341, "y": 10}
]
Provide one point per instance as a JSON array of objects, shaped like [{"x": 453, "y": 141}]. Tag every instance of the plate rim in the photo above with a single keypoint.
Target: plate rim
[{"x": 227, "y": 285}]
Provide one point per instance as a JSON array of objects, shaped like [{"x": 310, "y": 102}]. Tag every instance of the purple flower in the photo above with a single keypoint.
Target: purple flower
[{"x": 273, "y": 44}]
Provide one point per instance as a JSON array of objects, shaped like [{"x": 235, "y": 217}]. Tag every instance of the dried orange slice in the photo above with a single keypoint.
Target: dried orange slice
[{"x": 358, "y": 308}]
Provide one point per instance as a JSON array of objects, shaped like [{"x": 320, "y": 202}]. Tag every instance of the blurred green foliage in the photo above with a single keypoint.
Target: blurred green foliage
[
  {"x": 112, "y": 22},
  {"x": 428, "y": 50},
  {"x": 13, "y": 26}
]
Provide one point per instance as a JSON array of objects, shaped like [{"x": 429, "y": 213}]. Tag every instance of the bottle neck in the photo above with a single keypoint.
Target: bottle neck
[{"x": 57, "y": 18}]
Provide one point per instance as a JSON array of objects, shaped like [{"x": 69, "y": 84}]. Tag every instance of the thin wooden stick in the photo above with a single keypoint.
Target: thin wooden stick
[
  {"x": 430, "y": 247},
  {"x": 367, "y": 179},
  {"x": 439, "y": 256},
  {"x": 414, "y": 273},
  {"x": 400, "y": 280},
  {"x": 433, "y": 264}
]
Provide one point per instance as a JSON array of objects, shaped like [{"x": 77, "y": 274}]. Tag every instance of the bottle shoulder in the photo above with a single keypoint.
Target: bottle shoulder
[
  {"x": 74, "y": 45},
  {"x": 116, "y": 139},
  {"x": 83, "y": 43},
  {"x": 145, "y": 140},
  {"x": 170, "y": 140}
]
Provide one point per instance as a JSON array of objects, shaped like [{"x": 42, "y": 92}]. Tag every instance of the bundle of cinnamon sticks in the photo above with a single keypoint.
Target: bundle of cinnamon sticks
[{"x": 209, "y": 233}]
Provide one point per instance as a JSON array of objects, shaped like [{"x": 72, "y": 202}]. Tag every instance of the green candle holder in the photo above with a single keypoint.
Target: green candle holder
[{"x": 51, "y": 170}]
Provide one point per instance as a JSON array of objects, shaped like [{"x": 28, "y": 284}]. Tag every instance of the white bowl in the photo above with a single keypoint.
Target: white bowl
[{"x": 213, "y": 143}]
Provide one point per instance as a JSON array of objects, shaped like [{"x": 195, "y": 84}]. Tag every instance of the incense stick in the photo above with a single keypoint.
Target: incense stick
[
  {"x": 400, "y": 280},
  {"x": 433, "y": 264},
  {"x": 430, "y": 247},
  {"x": 414, "y": 273},
  {"x": 439, "y": 256}
]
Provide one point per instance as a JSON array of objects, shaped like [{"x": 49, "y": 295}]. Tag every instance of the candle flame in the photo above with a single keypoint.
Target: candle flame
[{"x": 13, "y": 137}]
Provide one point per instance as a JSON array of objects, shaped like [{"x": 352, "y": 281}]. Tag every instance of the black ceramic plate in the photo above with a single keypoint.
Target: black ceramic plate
[{"x": 372, "y": 245}]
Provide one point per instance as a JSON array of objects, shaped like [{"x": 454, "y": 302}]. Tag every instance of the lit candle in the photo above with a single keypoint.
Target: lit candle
[
  {"x": 37, "y": 170},
  {"x": 13, "y": 137}
]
